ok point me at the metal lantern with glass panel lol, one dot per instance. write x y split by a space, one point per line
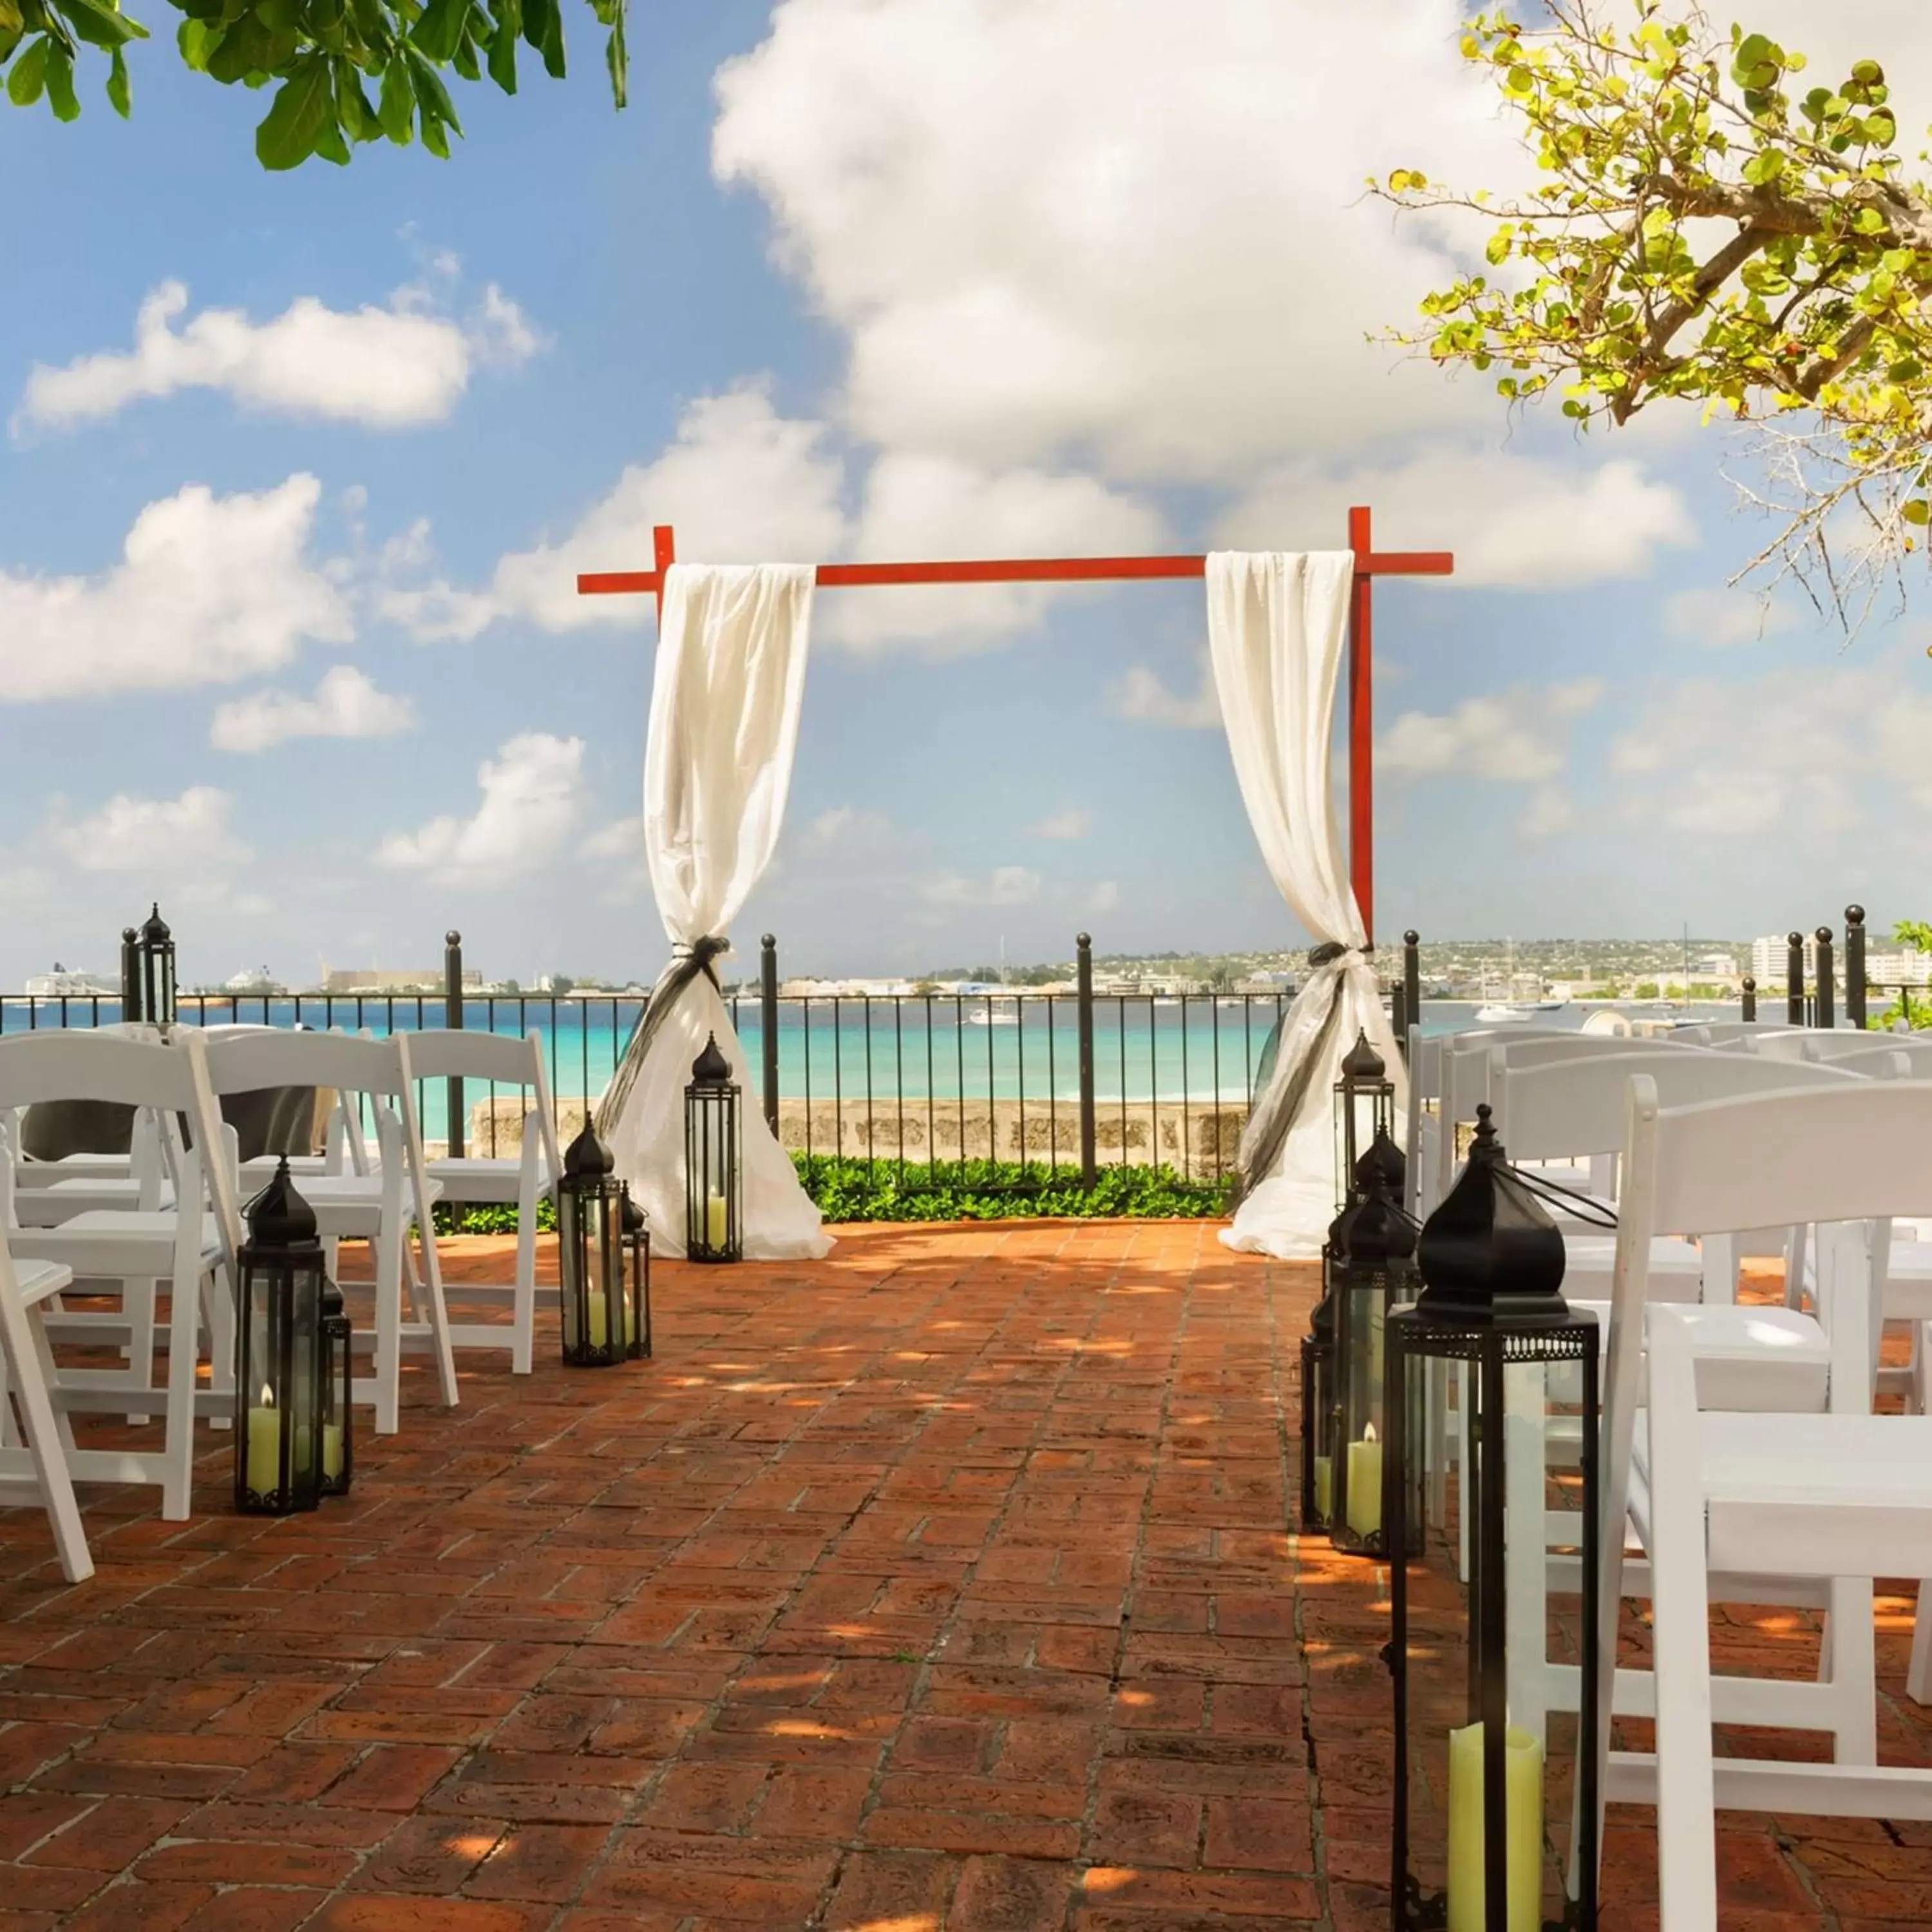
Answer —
1373 1274
282 1450
1318 1393
603 1259
1364 1114
154 968
1495 1797
713 1171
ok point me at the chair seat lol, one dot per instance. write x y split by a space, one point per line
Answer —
38 1174
111 1243
1815 1495
256 1174
1908 1281
1748 1358
37 1280
478 1178
1589 1262
349 1206
50 1207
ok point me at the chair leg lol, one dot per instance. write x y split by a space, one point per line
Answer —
137 1304
219 1290
48 1435
184 1356
1919 1673
438 1313
388 1247
1852 1651
523 1348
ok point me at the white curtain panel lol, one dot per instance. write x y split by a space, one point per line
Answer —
1277 627
724 729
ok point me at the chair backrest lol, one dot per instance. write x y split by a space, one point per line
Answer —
1885 1055
245 1062
1579 1106
1785 1042
507 1059
77 1063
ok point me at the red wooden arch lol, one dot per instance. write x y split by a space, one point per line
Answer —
1369 564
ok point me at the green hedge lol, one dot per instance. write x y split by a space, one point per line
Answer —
974 1190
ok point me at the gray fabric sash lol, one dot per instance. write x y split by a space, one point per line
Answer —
686 964
1268 1133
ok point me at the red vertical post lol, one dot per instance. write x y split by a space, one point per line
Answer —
1361 722
664 549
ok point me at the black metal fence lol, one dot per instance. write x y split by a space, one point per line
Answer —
1075 1082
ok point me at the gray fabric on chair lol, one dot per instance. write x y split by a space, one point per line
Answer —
277 1120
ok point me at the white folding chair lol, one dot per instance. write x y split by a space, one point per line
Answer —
489 1178
191 1242
1832 1496
380 1208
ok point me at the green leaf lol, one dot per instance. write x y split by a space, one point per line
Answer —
28 76
1868 73
120 95
288 136
435 138
503 44
192 38
432 97
1519 80
61 96
352 105
543 28
99 26
396 104
440 27
617 59
464 59
331 146
1916 510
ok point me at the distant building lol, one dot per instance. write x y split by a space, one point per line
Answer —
1911 967
259 980
69 983
1768 958
385 979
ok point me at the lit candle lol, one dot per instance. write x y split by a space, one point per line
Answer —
1324 1486
331 1450
1523 1815
265 1445
1365 1485
714 1221
600 1320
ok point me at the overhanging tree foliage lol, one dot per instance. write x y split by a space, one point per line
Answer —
329 55
1706 227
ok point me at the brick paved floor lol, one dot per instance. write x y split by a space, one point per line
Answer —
943 1584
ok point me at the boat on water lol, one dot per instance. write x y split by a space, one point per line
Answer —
983 1019
1494 1013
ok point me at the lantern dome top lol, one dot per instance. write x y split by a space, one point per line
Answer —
155 931
1378 1232
633 1216
587 1154
1383 1163
1363 1062
711 1068
1490 1254
278 1216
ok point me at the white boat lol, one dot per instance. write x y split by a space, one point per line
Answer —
985 1018
1494 1013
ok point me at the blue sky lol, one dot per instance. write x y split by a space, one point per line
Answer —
287 633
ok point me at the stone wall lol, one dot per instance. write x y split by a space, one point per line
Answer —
1198 1140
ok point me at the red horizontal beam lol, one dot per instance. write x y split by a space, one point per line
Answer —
1025 570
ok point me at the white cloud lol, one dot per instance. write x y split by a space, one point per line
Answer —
622 839
1518 736
346 705
1004 885
163 838
851 832
1089 218
209 589
1104 898
1075 822
388 368
532 795
1143 694
1514 522
741 484
1722 618
1550 813
1804 756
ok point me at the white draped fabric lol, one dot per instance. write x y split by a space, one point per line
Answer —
732 644
1277 626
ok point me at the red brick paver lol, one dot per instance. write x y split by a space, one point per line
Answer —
948 1583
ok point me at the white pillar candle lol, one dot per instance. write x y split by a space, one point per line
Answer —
715 1225
1522 1817
1365 1486
264 1448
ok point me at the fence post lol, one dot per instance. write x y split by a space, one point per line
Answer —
1083 979
1411 979
768 1025
130 974
1828 991
1398 1018
1750 997
1794 978
452 1018
1855 966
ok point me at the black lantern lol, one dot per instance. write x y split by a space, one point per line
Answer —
1318 1382
1495 1798
130 973
603 1259
1364 1113
1373 1274
338 1372
281 1454
154 968
713 1172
